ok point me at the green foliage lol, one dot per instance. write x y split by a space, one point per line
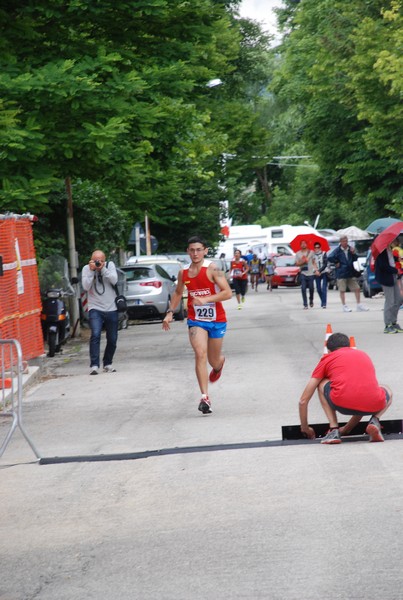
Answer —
341 66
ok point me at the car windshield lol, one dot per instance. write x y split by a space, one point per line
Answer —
134 274
285 261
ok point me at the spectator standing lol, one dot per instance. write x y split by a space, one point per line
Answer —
321 273
98 280
255 268
343 258
386 274
305 260
269 272
346 382
239 271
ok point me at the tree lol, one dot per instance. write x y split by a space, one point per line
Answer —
328 69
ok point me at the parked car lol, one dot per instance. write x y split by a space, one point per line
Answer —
149 290
286 272
171 266
370 286
150 258
183 257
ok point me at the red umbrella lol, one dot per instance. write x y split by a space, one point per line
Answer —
387 236
310 239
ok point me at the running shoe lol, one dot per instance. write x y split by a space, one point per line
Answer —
205 405
215 375
94 370
397 327
362 308
239 307
390 329
332 437
109 369
374 430
346 308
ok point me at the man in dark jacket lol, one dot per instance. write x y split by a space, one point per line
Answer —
386 275
343 257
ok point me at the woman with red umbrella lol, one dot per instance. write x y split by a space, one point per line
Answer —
305 260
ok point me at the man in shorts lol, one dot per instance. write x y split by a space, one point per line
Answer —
207 289
346 382
343 257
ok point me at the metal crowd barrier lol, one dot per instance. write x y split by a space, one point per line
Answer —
11 390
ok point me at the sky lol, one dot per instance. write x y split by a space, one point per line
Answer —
262 11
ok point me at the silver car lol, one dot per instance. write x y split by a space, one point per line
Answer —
149 289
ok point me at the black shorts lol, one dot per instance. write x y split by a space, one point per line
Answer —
349 411
240 286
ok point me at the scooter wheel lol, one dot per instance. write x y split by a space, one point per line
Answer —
52 335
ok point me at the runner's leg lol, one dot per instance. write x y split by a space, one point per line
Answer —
199 339
214 355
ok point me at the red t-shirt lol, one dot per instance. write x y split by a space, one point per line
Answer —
352 380
202 286
238 269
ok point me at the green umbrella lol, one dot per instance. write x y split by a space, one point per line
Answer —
380 224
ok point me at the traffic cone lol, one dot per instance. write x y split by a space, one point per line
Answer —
6 383
328 334
352 342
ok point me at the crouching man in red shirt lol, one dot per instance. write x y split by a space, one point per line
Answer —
346 382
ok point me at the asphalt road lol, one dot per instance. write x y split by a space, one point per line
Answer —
202 507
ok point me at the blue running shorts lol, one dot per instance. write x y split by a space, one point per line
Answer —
214 329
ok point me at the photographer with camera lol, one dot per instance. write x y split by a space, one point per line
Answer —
98 280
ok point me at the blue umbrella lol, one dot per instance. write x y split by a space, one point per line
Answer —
380 224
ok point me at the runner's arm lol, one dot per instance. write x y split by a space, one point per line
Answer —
217 276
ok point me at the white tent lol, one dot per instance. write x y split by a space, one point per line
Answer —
354 233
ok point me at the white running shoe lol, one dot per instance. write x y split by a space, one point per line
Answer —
362 308
346 308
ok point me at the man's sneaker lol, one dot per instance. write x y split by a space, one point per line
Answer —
239 306
205 405
332 437
362 308
390 329
346 308
215 375
109 369
94 370
374 430
397 327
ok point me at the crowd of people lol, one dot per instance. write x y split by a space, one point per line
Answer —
339 376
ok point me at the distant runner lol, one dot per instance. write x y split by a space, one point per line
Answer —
208 288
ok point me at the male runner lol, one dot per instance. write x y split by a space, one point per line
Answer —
207 289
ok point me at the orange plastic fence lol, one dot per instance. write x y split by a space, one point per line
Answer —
20 300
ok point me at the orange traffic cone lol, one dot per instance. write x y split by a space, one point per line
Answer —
352 342
6 382
328 334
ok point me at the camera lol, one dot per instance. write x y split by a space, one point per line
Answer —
98 263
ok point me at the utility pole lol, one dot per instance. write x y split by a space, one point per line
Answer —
74 309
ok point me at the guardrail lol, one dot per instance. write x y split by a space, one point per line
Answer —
11 391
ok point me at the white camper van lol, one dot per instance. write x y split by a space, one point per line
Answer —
262 240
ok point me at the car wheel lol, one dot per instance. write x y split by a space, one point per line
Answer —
52 337
365 291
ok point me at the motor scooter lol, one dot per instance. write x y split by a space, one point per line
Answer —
55 287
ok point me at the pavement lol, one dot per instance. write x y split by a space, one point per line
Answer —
145 498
